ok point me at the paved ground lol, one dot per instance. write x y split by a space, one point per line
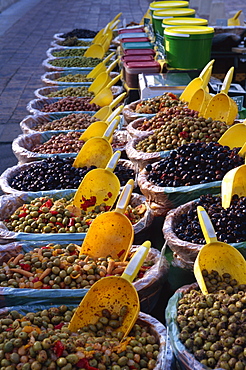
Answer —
26 30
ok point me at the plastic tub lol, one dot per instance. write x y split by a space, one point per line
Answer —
159 15
132 70
137 58
132 34
139 52
135 39
137 45
192 41
131 29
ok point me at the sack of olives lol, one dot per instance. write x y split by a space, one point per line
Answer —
140 158
40 145
24 279
41 349
182 222
56 121
211 344
75 78
64 64
61 105
20 218
62 91
55 172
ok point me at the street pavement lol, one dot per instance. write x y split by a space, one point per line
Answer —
26 31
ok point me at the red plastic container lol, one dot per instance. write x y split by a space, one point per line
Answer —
139 52
130 30
137 58
132 69
135 39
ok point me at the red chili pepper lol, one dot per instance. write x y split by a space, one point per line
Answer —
59 223
54 213
46 287
71 222
107 208
84 364
59 326
45 247
88 222
48 204
184 134
58 348
35 279
23 214
88 202
172 96
120 253
110 194
25 266
140 274
9 329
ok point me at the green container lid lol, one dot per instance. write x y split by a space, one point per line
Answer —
184 21
173 12
158 5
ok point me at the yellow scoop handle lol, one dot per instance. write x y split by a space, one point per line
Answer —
106 111
112 292
227 81
100 67
125 197
105 95
206 225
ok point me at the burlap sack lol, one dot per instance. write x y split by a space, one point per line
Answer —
141 159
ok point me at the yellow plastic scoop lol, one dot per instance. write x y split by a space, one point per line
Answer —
105 96
234 182
97 151
111 233
106 111
98 186
98 128
112 293
221 107
234 21
100 67
95 51
216 255
195 84
102 79
234 137
201 97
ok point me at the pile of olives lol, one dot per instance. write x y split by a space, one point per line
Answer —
44 215
75 78
42 340
73 121
79 62
158 103
73 41
229 223
178 126
213 326
69 52
62 143
60 267
70 103
195 163
72 91
80 33
58 173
